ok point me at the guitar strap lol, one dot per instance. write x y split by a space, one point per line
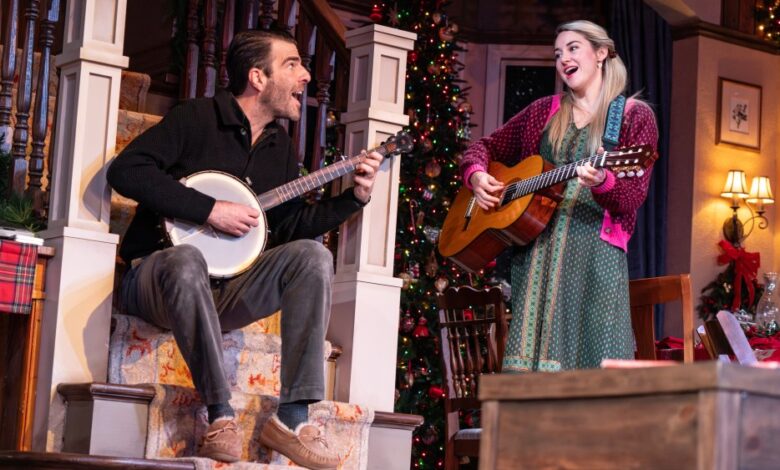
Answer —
614 121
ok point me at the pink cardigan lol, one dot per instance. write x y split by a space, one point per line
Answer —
521 137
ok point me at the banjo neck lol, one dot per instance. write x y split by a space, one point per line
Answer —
304 184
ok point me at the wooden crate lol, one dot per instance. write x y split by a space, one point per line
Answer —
707 416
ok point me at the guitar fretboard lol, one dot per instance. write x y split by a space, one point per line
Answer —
304 184
562 173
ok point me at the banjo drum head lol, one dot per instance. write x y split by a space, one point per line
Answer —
226 255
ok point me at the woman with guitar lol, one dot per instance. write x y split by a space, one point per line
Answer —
570 285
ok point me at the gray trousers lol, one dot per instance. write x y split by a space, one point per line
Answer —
171 289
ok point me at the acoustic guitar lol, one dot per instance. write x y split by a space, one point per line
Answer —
471 237
228 256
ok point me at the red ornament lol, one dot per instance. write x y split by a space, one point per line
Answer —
421 330
376 13
468 314
435 392
491 265
413 56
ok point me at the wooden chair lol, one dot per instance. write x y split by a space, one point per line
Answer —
473 337
644 294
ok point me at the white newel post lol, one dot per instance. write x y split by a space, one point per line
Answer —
366 296
77 311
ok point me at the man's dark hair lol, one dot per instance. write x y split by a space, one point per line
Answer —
250 49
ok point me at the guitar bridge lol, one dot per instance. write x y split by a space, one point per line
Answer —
469 210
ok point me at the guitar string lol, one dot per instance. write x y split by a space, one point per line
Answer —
549 178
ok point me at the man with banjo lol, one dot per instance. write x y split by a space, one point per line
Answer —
235 133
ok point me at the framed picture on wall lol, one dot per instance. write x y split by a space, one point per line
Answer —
739 114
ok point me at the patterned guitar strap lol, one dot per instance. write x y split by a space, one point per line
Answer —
614 121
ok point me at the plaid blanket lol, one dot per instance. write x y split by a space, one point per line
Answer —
17 273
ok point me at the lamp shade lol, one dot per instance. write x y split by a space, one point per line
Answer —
736 185
761 191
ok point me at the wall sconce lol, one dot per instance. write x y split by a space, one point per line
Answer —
760 195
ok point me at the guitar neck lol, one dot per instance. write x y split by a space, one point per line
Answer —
562 173
321 177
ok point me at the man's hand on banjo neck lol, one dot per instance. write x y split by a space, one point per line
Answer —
237 219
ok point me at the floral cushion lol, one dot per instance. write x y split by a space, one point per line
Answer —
142 353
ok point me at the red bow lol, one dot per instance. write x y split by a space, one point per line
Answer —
745 269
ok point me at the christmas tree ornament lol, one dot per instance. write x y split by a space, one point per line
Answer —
330 119
406 278
432 169
421 330
430 435
446 34
414 270
407 323
409 376
412 57
435 392
420 218
431 266
431 233
465 107
427 144
436 17
441 283
446 201
376 13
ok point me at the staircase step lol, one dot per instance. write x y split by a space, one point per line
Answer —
142 353
174 423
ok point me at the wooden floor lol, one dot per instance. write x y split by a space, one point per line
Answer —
41 460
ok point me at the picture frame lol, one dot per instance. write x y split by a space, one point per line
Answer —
739 114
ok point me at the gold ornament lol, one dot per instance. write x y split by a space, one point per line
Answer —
330 119
407 280
441 283
436 17
432 169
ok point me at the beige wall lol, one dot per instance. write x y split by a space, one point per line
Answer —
698 165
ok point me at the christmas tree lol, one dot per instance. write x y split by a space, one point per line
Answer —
768 20
439 123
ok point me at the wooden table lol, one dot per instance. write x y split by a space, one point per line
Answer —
19 346
698 416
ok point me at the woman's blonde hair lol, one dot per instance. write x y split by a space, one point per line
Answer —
614 77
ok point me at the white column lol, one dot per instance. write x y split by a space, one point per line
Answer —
77 311
366 296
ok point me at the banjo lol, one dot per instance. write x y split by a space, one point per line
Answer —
227 255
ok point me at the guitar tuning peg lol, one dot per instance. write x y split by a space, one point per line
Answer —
640 172
631 174
621 174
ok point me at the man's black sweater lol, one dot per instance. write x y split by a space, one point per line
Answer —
212 134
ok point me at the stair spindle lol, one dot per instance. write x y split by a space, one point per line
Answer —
23 100
305 37
190 81
228 22
7 72
266 13
41 110
207 73
325 57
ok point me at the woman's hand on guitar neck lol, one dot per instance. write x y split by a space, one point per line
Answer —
485 187
232 218
589 176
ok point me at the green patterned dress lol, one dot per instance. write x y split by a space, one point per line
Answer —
569 288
